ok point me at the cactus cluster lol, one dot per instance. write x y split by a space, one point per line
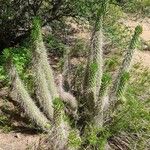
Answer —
99 99
50 116
103 96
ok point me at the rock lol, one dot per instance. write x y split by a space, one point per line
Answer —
17 135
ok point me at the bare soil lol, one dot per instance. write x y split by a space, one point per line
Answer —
18 141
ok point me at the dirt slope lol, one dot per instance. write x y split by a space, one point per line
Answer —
18 141
143 58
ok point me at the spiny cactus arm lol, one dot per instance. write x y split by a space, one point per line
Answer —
60 133
98 48
41 88
20 94
74 140
123 76
92 66
38 44
93 73
99 61
92 79
126 64
102 104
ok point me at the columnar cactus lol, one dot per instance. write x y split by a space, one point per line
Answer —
52 96
123 75
98 60
38 61
94 69
93 74
103 103
41 90
20 94
60 132
41 50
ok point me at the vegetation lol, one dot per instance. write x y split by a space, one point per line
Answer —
82 106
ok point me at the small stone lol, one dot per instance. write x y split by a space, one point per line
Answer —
17 135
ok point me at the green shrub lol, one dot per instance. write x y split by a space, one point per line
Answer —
133 117
141 7
79 48
2 73
5 123
55 45
74 139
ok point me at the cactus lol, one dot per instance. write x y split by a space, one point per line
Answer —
103 103
41 87
93 74
99 61
20 93
58 136
124 71
92 79
41 90
52 96
94 69
65 70
41 50
60 132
